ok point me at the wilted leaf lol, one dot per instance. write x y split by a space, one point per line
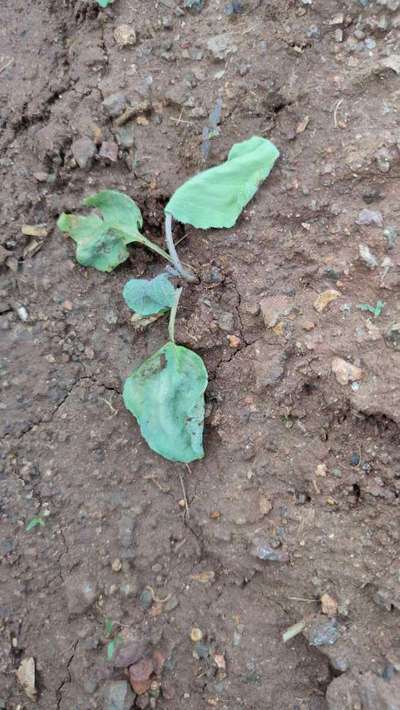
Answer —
166 395
102 243
149 296
216 197
26 677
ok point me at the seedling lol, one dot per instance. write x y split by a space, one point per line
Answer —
35 522
375 310
166 392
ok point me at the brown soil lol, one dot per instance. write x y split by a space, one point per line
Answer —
295 460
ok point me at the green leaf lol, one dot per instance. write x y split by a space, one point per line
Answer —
166 395
104 3
108 624
102 242
111 646
35 522
375 310
148 297
216 197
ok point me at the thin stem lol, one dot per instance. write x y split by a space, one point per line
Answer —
173 253
172 315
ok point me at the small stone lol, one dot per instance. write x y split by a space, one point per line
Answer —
337 19
196 5
339 35
392 336
125 135
329 605
391 234
117 695
115 104
345 372
274 308
116 565
146 599
234 341
171 604
355 459
321 470
263 550
201 650
109 151
22 313
308 325
139 675
324 299
130 652
220 46
125 36
83 151
367 256
226 322
323 633
196 634
41 176
81 593
370 217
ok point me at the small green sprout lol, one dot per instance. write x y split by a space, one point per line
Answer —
375 310
35 522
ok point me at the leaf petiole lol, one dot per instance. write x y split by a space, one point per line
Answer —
173 253
172 315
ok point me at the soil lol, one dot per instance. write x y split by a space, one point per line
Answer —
302 461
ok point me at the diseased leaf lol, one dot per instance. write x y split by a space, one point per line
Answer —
216 197
166 395
102 242
149 296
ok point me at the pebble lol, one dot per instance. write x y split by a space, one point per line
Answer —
83 151
323 633
355 459
125 135
196 634
196 5
391 233
81 593
367 256
329 605
201 650
226 322
235 7
116 565
117 695
125 36
370 217
115 104
392 336
131 652
263 550
22 313
146 599
109 151
220 46
345 372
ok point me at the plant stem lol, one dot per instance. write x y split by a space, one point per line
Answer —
172 251
172 315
